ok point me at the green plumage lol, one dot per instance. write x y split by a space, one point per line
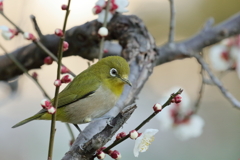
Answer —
80 93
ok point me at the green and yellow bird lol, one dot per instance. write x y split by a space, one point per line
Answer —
91 94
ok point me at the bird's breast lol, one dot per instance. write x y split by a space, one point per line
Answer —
93 106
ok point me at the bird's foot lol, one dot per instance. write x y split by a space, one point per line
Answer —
78 128
109 119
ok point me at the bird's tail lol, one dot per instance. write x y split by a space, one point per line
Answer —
36 116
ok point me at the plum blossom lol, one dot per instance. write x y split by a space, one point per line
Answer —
142 142
180 118
226 55
8 33
115 6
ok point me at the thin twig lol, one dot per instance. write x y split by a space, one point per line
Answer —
38 30
21 67
37 42
217 82
172 22
200 93
55 103
104 25
168 102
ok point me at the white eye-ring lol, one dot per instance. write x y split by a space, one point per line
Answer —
113 72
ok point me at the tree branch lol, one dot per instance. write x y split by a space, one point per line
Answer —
172 22
218 83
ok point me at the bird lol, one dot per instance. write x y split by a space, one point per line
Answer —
91 94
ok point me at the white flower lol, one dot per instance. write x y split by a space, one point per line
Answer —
122 4
190 129
101 16
115 6
7 33
142 143
220 57
103 31
180 119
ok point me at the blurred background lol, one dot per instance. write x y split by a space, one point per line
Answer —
220 139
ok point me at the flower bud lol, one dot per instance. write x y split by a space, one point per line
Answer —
34 75
51 110
97 9
57 83
48 60
101 155
29 36
67 78
64 70
103 31
133 134
58 32
157 107
65 46
120 135
115 155
64 7
45 103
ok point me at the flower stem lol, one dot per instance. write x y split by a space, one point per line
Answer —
104 25
55 103
168 102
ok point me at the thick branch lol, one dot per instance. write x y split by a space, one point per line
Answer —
195 44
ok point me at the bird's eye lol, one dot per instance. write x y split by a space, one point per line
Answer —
113 72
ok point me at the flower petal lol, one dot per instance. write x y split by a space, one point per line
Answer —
191 129
142 143
102 15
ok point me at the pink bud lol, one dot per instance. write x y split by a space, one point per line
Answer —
115 155
120 135
8 33
157 107
29 36
64 7
45 103
64 70
34 75
65 46
101 155
51 110
57 83
133 134
176 99
97 9
48 60
103 31
67 78
1 5
114 6
58 32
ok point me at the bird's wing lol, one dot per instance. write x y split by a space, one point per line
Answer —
81 87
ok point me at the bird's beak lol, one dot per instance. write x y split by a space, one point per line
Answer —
124 79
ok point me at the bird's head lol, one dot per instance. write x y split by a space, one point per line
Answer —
114 69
